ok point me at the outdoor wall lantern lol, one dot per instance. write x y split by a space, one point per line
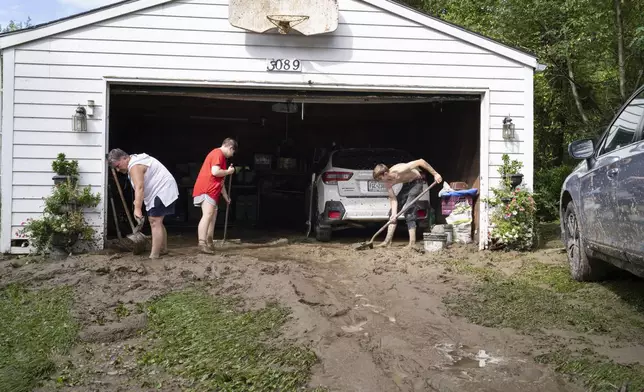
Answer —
79 120
508 128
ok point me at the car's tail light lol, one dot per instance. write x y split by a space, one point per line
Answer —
332 177
334 215
421 214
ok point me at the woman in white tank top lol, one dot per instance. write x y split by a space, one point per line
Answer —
155 187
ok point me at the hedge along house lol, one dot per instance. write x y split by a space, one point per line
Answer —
173 77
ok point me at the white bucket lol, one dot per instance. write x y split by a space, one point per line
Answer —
434 241
463 233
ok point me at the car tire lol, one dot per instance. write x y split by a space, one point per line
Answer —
322 234
583 268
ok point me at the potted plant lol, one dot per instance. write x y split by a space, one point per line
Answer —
513 214
510 172
66 171
63 222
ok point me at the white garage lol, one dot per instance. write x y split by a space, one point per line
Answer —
174 77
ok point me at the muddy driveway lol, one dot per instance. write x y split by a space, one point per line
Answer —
377 320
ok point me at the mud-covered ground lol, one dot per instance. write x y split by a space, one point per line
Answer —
378 320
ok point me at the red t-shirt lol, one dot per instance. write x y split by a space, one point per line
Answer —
207 183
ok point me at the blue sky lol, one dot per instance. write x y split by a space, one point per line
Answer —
42 11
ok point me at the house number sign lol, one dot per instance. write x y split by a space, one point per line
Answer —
283 65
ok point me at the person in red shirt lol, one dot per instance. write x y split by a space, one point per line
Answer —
208 187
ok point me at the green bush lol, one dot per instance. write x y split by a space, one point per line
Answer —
513 212
63 222
64 167
547 187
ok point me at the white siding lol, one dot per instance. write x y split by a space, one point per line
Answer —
192 40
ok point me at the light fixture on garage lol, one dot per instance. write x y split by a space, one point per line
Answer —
90 107
508 128
79 120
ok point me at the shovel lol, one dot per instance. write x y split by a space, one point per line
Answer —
136 237
369 245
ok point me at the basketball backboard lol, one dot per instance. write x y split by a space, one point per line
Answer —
308 17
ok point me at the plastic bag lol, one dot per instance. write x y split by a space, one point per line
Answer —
446 189
461 214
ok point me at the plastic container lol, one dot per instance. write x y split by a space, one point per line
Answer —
463 233
434 242
450 199
438 229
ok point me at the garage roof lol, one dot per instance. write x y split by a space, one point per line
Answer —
129 6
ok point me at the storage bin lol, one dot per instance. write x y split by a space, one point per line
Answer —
448 202
434 242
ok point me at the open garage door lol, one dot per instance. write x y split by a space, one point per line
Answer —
284 137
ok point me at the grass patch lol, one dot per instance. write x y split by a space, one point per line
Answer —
33 326
553 277
541 296
213 346
597 374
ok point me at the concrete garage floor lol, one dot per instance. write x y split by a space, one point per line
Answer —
377 320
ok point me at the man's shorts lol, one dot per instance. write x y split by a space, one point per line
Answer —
408 193
198 200
160 209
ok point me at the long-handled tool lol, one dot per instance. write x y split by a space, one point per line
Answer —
116 219
136 237
229 190
369 245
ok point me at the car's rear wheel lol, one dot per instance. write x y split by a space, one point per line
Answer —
582 266
322 234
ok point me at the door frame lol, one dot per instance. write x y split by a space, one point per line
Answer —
484 121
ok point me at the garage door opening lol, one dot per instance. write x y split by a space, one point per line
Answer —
284 136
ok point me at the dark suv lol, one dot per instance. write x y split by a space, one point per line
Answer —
602 200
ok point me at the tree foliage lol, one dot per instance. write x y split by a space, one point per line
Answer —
13 26
579 42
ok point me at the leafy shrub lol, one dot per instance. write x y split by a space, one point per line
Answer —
547 185
63 167
513 213
63 221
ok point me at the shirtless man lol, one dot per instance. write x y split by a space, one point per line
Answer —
409 175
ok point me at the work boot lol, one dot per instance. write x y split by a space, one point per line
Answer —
390 236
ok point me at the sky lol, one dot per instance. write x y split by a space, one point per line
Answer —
41 11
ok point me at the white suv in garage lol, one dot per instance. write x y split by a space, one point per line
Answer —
346 195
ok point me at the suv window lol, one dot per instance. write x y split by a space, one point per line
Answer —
623 130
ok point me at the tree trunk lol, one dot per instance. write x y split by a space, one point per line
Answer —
620 48
575 93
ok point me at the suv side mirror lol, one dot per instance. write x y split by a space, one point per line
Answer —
581 149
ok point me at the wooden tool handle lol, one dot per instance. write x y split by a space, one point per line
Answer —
230 192
116 220
127 210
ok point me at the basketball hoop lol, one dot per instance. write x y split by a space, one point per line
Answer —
284 23
307 17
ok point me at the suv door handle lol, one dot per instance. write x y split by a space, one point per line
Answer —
612 172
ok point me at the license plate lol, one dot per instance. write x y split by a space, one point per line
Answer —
375 186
